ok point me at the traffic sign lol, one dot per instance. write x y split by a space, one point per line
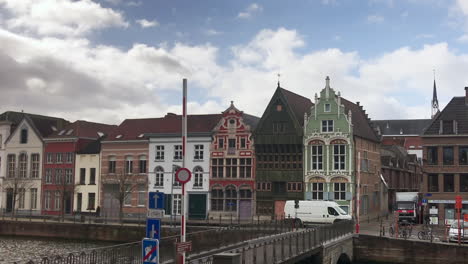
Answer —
150 251
156 200
428 194
424 201
153 228
184 247
155 213
183 175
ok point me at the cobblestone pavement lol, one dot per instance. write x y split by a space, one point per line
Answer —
28 248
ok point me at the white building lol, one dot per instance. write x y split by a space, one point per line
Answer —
165 157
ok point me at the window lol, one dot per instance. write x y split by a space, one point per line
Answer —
340 190
294 186
47 198
177 152
449 183
50 158
91 201
463 155
279 127
68 176
142 193
21 196
364 162
48 176
24 136
221 143
339 157
35 166
11 165
58 158
198 183
448 126
231 199
231 144
69 157
129 164
159 153
174 169
327 108
79 201
127 195
263 186
92 176
58 176
57 200
33 197
433 182
317 157
217 199
317 191
177 204
159 181
245 168
432 155
327 125
463 182
243 142
217 168
198 152
23 165
112 164
82 176
231 168
245 194
279 187
448 155
142 164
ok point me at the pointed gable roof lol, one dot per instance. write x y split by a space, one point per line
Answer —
361 124
298 104
457 110
44 125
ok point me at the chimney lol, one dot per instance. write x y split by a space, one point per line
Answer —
357 103
466 95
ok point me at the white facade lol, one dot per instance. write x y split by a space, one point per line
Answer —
162 158
30 201
4 134
88 186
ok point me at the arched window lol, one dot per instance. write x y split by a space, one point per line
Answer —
339 188
217 198
159 181
316 187
23 165
231 199
198 173
245 193
339 154
316 148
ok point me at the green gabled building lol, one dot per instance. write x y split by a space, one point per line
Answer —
279 151
336 131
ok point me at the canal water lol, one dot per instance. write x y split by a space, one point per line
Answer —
27 248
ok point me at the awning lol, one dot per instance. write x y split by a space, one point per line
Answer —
383 180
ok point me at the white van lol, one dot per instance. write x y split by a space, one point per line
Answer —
315 211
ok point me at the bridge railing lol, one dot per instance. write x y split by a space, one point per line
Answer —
282 247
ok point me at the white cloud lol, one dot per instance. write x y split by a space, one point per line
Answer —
134 3
463 38
375 19
146 24
212 32
60 17
251 10
404 14
424 36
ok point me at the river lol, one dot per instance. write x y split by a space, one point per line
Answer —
33 248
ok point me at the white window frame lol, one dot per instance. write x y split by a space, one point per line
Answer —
47 199
48 176
327 126
159 153
128 164
58 157
177 152
142 193
50 158
198 175
142 159
69 157
316 158
33 198
177 204
317 188
23 165
11 159
325 108
198 152
341 192
159 177
21 198
57 199
339 158
68 176
35 163
58 176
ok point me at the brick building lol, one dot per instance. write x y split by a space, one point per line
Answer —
445 160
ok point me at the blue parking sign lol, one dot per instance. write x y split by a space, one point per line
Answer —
153 228
156 200
150 251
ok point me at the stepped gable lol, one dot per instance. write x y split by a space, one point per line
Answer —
298 103
401 126
456 109
361 123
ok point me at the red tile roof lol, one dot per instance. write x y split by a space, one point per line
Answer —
135 129
83 129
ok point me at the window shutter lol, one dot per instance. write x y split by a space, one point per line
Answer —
348 196
308 196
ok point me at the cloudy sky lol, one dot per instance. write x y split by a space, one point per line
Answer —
107 60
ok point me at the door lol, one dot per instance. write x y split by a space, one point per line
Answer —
197 206
245 209
110 204
68 203
79 201
9 201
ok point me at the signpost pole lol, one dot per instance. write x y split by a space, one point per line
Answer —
184 140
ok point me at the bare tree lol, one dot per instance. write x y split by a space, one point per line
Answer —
15 185
125 183
65 188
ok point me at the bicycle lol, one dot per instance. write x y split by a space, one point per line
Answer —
425 234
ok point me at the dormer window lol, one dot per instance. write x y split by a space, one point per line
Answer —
279 108
327 108
24 136
448 127
327 125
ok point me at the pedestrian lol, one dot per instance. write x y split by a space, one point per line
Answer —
427 219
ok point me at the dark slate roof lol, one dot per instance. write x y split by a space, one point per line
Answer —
361 125
171 124
44 124
298 103
83 129
251 120
93 147
456 109
402 126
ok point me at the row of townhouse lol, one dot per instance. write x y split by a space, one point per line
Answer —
241 165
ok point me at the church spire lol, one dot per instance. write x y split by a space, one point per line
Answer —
435 102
